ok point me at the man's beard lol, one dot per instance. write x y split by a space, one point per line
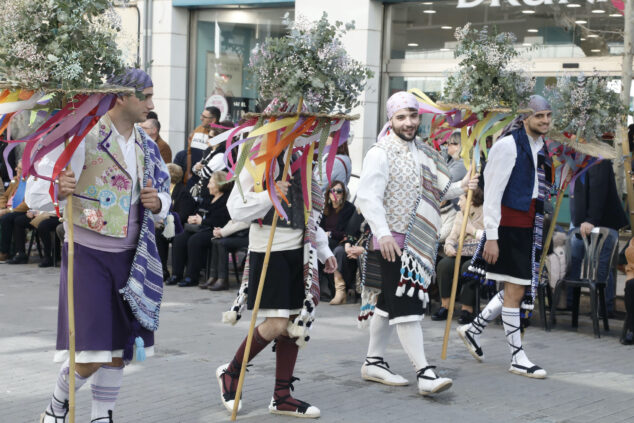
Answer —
403 137
535 130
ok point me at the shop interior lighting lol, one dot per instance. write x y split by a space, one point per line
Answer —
598 11
446 27
427 3
445 49
572 5
412 45
528 12
616 15
533 30
429 11
596 50
527 44
593 36
582 39
581 22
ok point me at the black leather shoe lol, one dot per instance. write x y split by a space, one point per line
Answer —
19 258
173 280
465 317
219 285
628 339
46 262
440 315
187 282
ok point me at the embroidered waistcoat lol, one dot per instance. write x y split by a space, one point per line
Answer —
101 202
403 186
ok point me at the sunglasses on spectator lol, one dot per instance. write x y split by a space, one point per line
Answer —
336 191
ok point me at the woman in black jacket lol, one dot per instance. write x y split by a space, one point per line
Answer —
337 214
190 247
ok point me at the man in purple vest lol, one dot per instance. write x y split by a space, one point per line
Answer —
119 185
513 197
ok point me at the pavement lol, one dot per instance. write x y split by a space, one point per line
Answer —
590 380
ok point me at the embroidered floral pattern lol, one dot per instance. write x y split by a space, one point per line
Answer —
107 198
124 203
94 219
120 182
91 191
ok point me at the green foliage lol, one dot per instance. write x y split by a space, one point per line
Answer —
585 106
310 62
486 78
66 44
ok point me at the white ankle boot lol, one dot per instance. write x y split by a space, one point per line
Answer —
430 383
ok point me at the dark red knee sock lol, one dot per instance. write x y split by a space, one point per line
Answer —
233 371
286 355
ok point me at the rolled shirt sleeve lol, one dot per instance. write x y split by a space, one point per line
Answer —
496 176
248 205
323 251
374 179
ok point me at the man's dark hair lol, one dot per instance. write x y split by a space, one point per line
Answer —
215 112
152 115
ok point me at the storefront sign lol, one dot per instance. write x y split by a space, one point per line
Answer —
497 3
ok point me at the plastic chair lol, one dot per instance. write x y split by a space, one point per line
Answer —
589 278
35 238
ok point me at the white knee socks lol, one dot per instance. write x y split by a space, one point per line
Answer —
105 388
511 321
490 312
58 404
411 336
380 332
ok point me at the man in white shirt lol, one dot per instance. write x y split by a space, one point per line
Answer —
287 303
402 185
119 186
513 198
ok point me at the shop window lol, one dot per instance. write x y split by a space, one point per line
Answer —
553 28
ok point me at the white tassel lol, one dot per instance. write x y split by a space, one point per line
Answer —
296 331
301 342
230 317
410 292
400 291
170 229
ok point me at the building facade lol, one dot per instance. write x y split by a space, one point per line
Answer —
197 51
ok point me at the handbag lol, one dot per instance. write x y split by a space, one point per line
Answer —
190 227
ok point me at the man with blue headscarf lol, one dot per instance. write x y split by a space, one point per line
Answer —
119 185
510 250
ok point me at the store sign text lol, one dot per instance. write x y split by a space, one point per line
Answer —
496 3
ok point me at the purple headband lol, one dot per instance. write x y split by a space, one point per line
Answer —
132 78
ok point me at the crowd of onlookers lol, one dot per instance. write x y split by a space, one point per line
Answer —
204 239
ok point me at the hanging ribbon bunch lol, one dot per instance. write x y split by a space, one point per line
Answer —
473 131
262 138
70 123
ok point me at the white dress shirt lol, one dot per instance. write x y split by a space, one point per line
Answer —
496 176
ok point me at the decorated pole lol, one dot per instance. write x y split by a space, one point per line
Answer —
457 265
258 296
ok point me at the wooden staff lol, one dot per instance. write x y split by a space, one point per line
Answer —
457 265
70 299
258 296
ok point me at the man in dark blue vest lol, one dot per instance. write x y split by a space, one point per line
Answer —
513 212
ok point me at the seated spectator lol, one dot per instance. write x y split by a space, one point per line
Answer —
232 237
152 127
445 267
183 206
45 223
12 206
190 247
454 161
628 335
341 168
448 212
337 214
595 203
